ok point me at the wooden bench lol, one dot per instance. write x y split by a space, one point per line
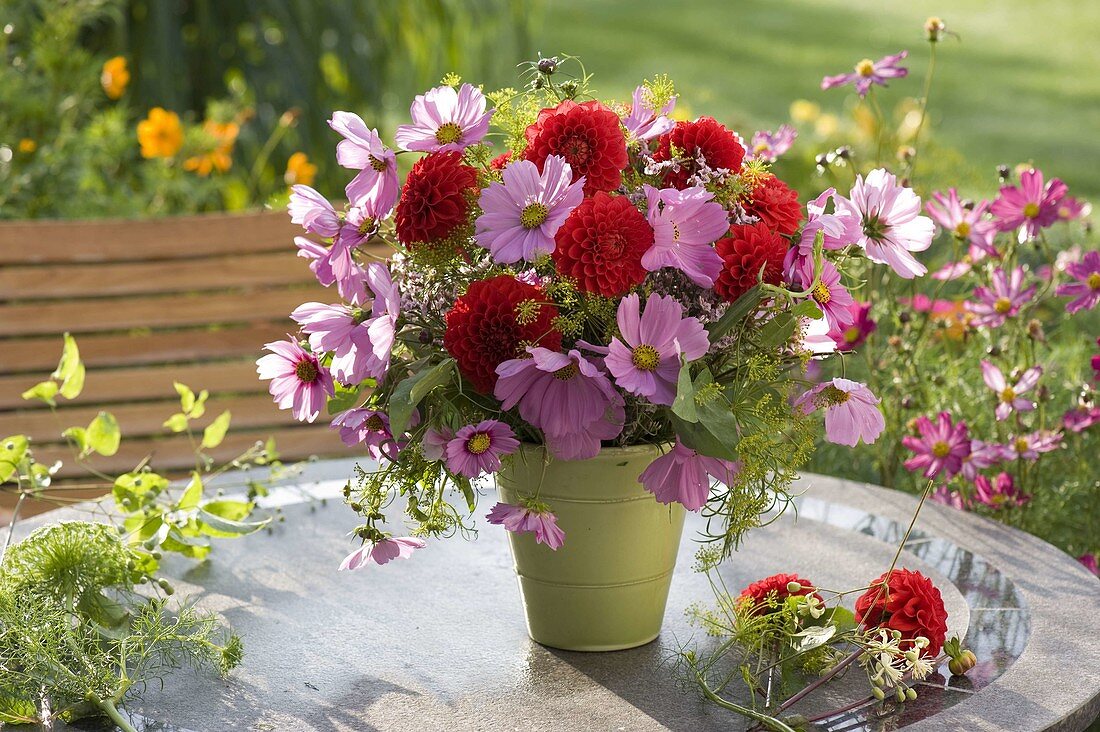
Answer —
189 299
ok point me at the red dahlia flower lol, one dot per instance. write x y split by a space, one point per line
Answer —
776 586
705 138
776 205
910 604
484 328
601 245
746 251
434 202
589 137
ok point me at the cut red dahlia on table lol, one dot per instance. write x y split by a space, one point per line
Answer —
611 279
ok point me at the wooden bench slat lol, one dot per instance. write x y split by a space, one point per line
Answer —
38 355
144 418
140 278
136 384
118 240
152 312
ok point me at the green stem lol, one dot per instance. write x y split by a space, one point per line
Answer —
769 722
923 106
111 711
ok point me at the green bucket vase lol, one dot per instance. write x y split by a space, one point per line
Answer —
605 589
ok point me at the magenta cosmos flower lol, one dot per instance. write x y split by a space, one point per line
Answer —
566 396
1009 397
838 229
535 519
362 150
476 448
982 455
995 304
768 146
851 411
646 361
830 295
1086 289
369 427
381 552
948 497
1030 207
298 381
685 225
890 222
855 335
645 121
941 447
1080 418
1088 561
351 286
521 215
1031 446
999 493
868 72
966 225
444 119
683 476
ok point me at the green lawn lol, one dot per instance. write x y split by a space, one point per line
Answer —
1023 83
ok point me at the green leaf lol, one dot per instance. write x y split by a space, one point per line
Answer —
133 491
214 433
778 330
104 611
44 390
187 397
216 526
715 432
78 435
228 509
177 422
199 407
70 369
103 434
412 390
812 637
345 398
468 493
191 547
807 309
14 710
141 527
12 451
683 406
192 494
735 313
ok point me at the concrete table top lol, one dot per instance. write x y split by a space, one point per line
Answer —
438 642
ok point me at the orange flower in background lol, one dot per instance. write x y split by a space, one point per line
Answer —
115 77
299 171
27 145
160 134
223 136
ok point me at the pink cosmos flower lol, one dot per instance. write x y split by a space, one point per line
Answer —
352 286
1088 561
982 455
445 120
830 294
298 381
566 396
851 411
838 229
381 552
1008 397
1031 446
1072 209
1080 418
521 215
941 447
684 476
994 305
1095 362
855 335
685 225
999 494
965 225
892 226
369 427
433 445
815 336
646 361
768 146
476 448
362 150
646 122
313 212
1029 207
1087 287
948 497
868 72
522 519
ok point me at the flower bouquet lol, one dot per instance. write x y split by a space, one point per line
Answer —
608 309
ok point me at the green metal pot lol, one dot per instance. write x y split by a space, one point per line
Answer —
606 588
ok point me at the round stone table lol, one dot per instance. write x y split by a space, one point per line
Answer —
438 642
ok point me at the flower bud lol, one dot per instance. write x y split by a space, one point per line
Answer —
794 587
569 88
878 693
1003 173
907 402
166 587
548 65
1035 331
910 693
906 153
899 693
934 29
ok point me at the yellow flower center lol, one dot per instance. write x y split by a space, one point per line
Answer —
374 422
447 133
367 226
478 444
831 396
566 373
962 230
852 334
1008 395
380 165
866 67
1093 281
645 358
1002 305
821 293
533 215
306 371
941 449
1031 210
1021 444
